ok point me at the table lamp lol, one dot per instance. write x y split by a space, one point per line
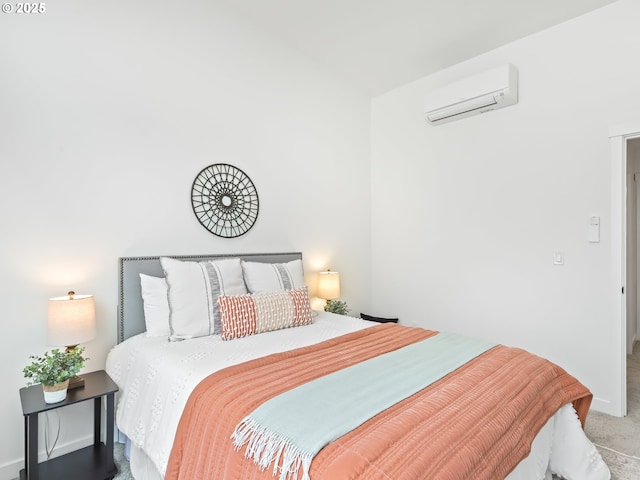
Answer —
71 320
328 285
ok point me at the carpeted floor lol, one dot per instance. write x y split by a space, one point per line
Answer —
123 466
621 466
617 439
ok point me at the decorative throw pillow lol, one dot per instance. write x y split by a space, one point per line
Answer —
156 305
193 290
271 277
263 312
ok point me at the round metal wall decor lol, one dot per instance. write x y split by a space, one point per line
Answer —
224 200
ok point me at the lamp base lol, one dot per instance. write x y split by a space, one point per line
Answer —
76 382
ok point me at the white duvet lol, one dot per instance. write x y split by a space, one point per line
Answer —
156 377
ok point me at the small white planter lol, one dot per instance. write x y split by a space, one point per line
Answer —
55 393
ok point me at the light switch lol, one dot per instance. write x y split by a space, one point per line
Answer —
558 258
594 229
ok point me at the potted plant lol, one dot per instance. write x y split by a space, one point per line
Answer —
336 306
53 370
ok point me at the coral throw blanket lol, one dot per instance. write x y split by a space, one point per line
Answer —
477 422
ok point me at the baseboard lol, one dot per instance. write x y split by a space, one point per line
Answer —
605 406
11 470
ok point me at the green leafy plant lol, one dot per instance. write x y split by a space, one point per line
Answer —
55 367
336 306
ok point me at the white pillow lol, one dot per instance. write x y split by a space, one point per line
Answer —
193 290
272 277
156 305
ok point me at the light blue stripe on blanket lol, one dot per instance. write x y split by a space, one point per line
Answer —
295 425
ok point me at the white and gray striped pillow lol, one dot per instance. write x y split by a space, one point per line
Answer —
193 290
273 277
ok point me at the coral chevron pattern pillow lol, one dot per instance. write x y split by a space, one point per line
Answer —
243 315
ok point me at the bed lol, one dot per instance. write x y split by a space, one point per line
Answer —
162 404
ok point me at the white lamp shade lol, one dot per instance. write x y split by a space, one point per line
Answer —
71 320
329 285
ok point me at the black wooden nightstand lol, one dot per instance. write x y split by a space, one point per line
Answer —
94 462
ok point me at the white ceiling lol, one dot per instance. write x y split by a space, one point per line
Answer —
378 45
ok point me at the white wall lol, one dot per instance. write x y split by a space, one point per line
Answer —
108 110
466 216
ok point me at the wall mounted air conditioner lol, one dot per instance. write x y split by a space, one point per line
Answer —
481 93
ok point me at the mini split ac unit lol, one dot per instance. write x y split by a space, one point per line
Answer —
481 93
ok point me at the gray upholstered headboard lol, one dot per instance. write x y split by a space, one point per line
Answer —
130 307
